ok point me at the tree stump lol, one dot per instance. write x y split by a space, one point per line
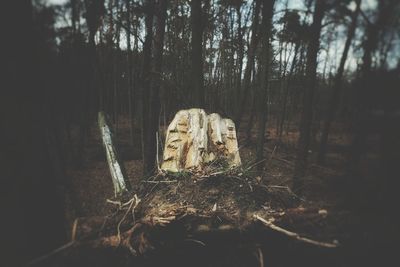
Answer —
194 139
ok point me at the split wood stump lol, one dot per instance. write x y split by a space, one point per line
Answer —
194 139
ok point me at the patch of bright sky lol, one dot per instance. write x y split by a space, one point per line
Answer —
56 2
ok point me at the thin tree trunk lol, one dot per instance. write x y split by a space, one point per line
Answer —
267 13
286 94
129 61
240 55
197 54
148 159
154 113
117 70
243 95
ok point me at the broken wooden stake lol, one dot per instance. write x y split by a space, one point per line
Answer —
121 184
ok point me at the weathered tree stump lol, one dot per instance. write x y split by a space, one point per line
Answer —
194 139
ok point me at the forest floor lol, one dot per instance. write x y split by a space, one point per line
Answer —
327 209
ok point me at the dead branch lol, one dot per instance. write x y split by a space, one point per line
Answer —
51 253
293 234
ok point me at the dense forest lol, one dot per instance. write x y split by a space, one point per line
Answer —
311 85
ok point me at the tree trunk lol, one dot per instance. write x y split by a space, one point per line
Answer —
287 88
129 75
197 53
267 13
337 86
154 112
240 54
243 94
306 115
148 158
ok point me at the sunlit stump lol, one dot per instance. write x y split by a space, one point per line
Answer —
194 139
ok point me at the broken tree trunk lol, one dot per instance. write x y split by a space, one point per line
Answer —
121 184
194 139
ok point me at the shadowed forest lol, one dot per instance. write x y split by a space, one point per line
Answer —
313 89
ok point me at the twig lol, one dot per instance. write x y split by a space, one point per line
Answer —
158 161
287 188
135 200
285 161
260 257
253 165
196 241
293 234
272 153
279 158
74 227
51 253
114 202
157 182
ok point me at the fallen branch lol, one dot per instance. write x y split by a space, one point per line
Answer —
51 253
157 182
293 234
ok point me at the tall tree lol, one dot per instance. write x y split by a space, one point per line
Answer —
243 93
148 157
129 67
155 104
337 85
74 16
266 25
306 114
291 33
94 12
197 79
